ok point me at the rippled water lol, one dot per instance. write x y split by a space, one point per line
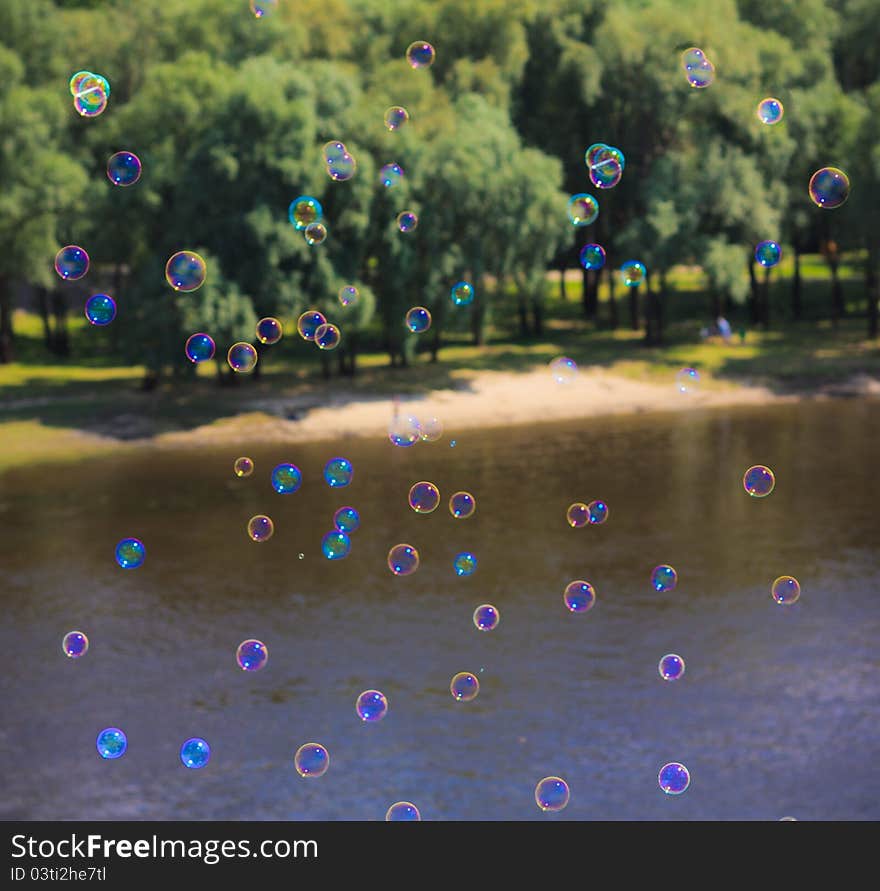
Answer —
777 713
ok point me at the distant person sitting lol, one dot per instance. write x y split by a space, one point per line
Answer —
724 329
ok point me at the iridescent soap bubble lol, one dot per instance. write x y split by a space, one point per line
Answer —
702 75
242 357
829 187
418 320
200 347
195 753
286 478
100 309
315 233
598 153
582 209
333 151
785 590
674 778
420 54
692 57
552 794
338 472
462 505
633 273
252 655
75 644
111 743
687 380
71 262
76 79
396 117
130 553
243 466
404 430
767 253
391 175
579 596
432 430
462 293
124 169
303 211
269 330
348 295
464 686
606 173
759 481
770 111
563 369
327 337
671 667
464 563
91 96
346 519
371 705
424 497
592 256
260 527
486 617
407 221
663 578
402 812
342 168
262 8
185 271
598 512
403 559
308 323
577 515
311 760
335 545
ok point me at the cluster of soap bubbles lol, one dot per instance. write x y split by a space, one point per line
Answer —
313 326
605 164
407 430
336 544
306 215
699 70
90 92
580 514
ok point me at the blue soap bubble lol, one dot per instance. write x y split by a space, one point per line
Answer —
111 743
252 655
269 330
674 778
342 167
671 667
242 357
701 75
829 187
552 794
579 596
402 811
687 380
598 511
403 559
582 209
464 686
633 273
260 528
186 271
346 519
404 430
759 481
767 253
692 57
286 478
391 175
71 262
311 760
348 295
200 347
100 309
464 563
130 553
407 221
195 753
606 167
371 706
304 210
663 578
786 590
462 293
338 472
462 505
335 545
418 320
420 54
486 617
770 111
327 337
592 256
396 117
424 497
262 8
75 644
333 151
308 323
124 169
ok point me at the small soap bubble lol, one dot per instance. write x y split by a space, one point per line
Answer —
124 169
308 323
269 330
130 553
91 96
786 590
418 320
592 256
261 8
829 187
692 57
770 111
420 54
342 168
286 478
304 211
338 472
111 743
404 430
462 505
348 295
424 497
552 794
332 151
311 760
200 347
391 175
346 519
598 512
671 667
407 221
242 357
663 578
464 563
486 618
701 75
260 528
633 273
75 644
403 559
243 467
327 336
371 705
315 233
396 117
252 655
605 166
563 369
185 271
674 778
335 545
452 443
767 253
100 309
432 430
76 79
687 380
579 596
402 811
195 753
582 209
462 293
464 686
72 262
759 481
577 515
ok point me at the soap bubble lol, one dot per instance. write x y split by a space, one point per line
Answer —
633 273
261 8
592 256
243 467
424 497
671 667
348 295
260 527
701 75
315 233
111 743
464 563
579 596
582 209
552 794
396 117
404 430
407 221
91 96
418 320
124 169
252 655
420 54
770 111
464 686
462 505
687 380
462 293
759 481
767 253
185 271
75 644
342 168
242 357
598 512
486 617
674 778
338 472
311 760
130 553
308 323
371 705
71 262
786 590
100 309
664 578
335 545
563 369
829 187
403 559
333 151
692 57
577 515
303 211
346 519
195 753
327 337
391 175
200 347
402 811
286 478
269 330
432 430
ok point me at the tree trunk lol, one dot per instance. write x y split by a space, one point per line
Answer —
435 344
837 306
634 308
7 338
765 300
43 308
523 316
716 303
753 303
612 303
661 305
61 338
538 317
796 302
562 292
872 287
